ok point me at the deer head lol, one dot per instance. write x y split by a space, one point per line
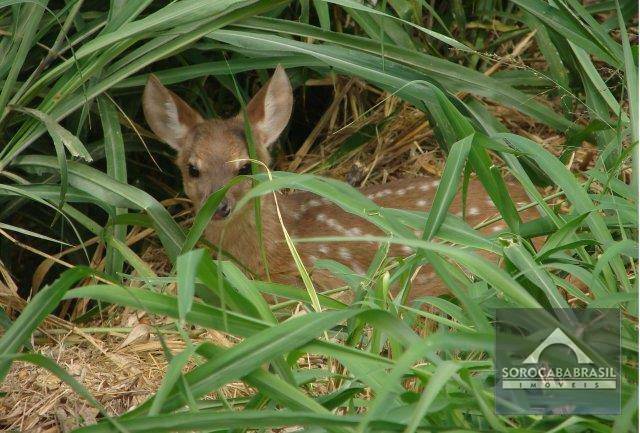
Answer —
212 151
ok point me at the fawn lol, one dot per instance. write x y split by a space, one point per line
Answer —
208 155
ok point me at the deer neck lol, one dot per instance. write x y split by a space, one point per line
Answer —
238 235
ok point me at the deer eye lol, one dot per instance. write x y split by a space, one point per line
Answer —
245 169
193 170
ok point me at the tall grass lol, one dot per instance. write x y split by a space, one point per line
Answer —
75 163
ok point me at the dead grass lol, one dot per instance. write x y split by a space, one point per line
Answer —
120 366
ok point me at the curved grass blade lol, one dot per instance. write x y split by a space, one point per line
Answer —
454 77
442 38
436 383
35 312
171 377
448 186
252 352
117 169
155 303
615 251
523 260
217 420
117 194
187 267
272 386
20 230
574 192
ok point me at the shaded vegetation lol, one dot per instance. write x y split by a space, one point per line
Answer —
545 92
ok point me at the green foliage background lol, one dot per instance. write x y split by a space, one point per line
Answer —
72 167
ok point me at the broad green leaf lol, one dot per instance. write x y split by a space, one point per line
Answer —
523 260
434 386
60 134
155 303
117 169
448 186
187 267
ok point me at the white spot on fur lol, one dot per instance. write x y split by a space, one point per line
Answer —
435 183
425 187
324 249
355 231
344 253
321 217
313 259
459 214
410 187
384 193
497 228
407 249
311 203
357 268
401 191
421 203
334 224
473 211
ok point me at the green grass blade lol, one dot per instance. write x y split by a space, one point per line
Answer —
187 267
170 379
117 194
574 192
437 382
452 76
448 187
24 38
253 351
117 169
155 303
35 312
523 260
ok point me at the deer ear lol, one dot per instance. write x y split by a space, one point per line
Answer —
270 108
169 117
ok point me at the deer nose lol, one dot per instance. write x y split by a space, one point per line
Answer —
223 210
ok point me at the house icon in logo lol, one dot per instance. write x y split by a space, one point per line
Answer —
557 337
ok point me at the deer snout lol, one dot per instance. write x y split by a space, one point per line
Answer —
223 210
